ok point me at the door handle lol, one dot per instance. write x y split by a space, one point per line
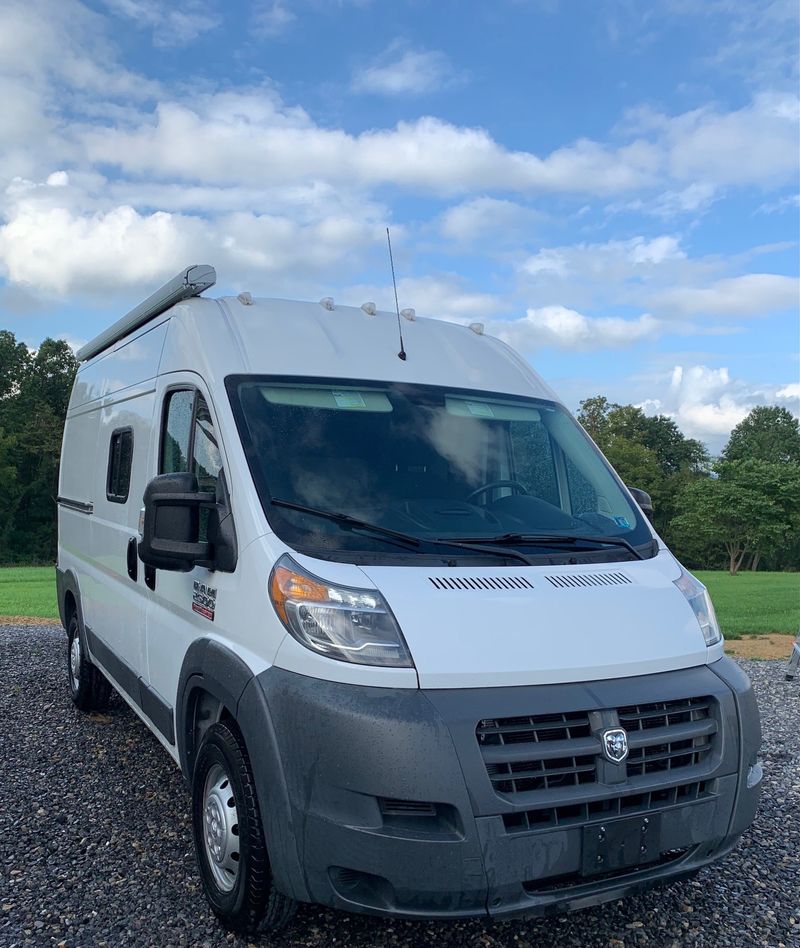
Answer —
133 559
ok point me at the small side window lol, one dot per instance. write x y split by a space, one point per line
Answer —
176 441
120 460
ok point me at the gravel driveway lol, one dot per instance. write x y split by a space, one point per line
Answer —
95 841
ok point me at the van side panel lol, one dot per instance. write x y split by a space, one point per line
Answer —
113 391
76 494
126 366
119 600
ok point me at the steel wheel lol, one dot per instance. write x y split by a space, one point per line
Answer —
89 689
75 663
221 828
229 837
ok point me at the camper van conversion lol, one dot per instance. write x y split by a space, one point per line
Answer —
416 648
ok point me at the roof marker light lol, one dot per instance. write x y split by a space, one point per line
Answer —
245 298
410 314
369 308
326 302
477 328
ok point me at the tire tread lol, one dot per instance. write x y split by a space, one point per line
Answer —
263 908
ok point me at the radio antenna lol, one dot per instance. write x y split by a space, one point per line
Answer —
402 353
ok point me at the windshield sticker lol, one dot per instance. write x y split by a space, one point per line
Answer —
349 399
480 409
622 522
204 600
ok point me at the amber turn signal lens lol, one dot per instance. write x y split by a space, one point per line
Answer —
286 584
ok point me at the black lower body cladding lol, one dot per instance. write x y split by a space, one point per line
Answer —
390 807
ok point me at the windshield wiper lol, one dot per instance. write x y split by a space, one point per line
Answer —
553 539
354 523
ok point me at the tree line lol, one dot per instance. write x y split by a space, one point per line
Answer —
739 511
34 393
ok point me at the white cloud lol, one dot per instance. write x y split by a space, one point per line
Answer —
443 296
58 179
757 39
61 252
176 23
756 143
787 202
251 137
789 392
655 251
613 260
752 294
692 199
655 274
547 261
45 40
480 218
567 329
227 167
402 71
271 18
707 403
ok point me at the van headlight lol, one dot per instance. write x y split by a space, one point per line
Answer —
350 625
697 596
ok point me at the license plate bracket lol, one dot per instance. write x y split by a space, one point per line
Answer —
621 844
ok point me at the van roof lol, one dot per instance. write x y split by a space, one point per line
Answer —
246 335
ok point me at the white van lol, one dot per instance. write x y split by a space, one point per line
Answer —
410 639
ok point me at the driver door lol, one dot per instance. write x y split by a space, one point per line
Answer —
182 605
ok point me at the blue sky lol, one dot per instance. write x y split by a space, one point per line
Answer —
612 187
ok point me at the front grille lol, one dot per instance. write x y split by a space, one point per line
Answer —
538 752
668 735
545 752
627 805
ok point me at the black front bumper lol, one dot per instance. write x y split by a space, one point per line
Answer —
387 805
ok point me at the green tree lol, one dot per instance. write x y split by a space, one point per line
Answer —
33 401
14 360
649 452
768 433
747 507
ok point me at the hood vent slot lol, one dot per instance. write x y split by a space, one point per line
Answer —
501 583
588 580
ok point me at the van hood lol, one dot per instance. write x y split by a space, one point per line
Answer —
485 627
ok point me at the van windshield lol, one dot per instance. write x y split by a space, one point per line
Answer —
428 462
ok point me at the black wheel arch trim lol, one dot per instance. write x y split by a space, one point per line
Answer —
67 582
211 667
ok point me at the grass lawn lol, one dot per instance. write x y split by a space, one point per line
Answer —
754 602
747 603
28 591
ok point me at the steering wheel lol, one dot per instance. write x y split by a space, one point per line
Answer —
519 488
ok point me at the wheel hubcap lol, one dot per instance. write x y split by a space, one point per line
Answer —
75 661
221 828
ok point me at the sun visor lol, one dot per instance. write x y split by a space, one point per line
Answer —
490 409
338 399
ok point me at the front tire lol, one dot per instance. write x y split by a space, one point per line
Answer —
229 837
89 689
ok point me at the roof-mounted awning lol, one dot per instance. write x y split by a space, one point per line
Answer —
188 283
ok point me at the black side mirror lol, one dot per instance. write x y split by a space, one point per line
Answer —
171 531
644 500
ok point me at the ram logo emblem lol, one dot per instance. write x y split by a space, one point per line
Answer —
615 744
